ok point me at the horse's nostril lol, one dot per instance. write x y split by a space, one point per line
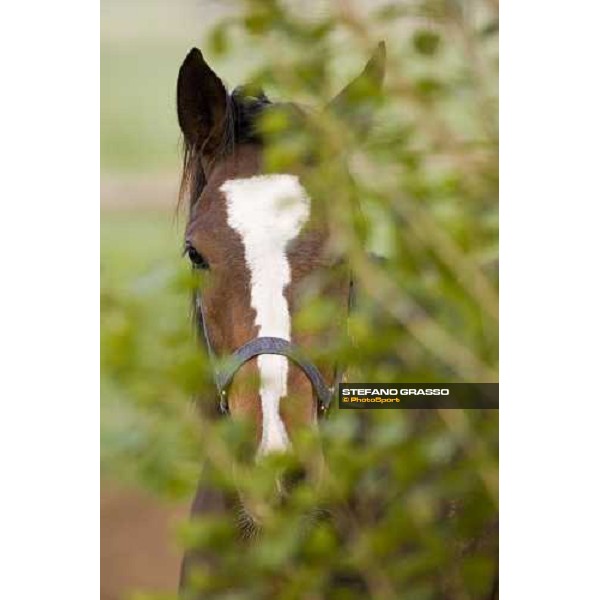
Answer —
294 477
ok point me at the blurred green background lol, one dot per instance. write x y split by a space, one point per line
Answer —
142 45
427 180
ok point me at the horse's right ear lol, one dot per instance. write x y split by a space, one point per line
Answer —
201 102
356 101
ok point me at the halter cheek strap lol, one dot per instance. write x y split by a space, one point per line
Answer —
267 345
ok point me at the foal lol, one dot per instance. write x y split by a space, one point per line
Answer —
259 239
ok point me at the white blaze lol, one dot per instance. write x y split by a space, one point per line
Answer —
268 212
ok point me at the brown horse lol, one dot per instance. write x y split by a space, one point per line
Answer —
259 238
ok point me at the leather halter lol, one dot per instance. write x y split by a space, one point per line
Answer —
223 374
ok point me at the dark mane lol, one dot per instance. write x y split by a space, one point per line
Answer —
242 114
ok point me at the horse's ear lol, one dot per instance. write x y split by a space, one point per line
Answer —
357 100
201 102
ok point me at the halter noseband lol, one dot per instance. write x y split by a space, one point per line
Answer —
266 345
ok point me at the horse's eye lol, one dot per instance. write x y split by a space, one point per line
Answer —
197 260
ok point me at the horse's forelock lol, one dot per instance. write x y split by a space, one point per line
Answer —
242 114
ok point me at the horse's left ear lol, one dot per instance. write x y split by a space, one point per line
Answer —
201 102
357 100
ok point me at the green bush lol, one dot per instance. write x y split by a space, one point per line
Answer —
408 508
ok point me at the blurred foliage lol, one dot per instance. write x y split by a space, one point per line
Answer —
409 503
